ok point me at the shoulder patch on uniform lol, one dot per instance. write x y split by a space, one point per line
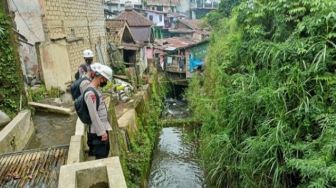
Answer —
93 97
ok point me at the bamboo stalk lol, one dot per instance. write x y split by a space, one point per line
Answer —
4 163
34 163
40 163
36 160
26 170
9 169
20 166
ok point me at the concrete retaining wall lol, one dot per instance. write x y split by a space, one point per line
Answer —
17 133
105 172
77 144
126 122
99 173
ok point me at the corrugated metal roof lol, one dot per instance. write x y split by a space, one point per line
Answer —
176 42
34 168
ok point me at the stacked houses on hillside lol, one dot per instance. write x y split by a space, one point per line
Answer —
130 34
157 33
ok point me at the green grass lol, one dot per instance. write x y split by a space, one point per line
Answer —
267 101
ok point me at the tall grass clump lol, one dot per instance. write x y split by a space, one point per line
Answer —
267 99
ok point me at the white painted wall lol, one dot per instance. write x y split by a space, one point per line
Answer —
184 7
55 64
28 19
119 5
156 18
143 64
28 23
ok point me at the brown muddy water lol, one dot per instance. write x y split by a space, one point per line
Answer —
52 130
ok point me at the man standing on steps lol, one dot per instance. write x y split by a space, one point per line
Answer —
98 140
83 68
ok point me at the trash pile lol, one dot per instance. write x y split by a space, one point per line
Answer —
122 90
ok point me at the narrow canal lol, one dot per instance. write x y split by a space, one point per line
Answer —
51 130
175 163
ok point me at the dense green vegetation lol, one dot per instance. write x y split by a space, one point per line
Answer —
136 161
11 87
41 93
268 98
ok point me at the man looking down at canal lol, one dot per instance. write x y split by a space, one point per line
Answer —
80 85
88 78
97 132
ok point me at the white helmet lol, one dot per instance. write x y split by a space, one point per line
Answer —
103 70
87 53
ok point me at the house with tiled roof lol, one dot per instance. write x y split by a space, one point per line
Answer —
179 57
118 31
129 34
140 26
189 28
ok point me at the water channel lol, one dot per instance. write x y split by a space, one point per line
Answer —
175 163
51 130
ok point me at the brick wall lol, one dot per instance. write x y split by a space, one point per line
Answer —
80 22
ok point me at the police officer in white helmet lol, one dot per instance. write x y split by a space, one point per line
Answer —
98 140
83 68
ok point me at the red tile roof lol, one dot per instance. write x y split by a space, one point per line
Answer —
115 29
115 24
134 19
193 24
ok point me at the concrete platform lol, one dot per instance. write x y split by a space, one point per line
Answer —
15 136
52 108
99 173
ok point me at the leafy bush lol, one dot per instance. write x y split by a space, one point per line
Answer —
270 87
41 93
136 162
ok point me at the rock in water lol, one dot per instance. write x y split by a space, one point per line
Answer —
4 119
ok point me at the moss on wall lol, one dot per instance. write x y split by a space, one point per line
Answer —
136 162
11 81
